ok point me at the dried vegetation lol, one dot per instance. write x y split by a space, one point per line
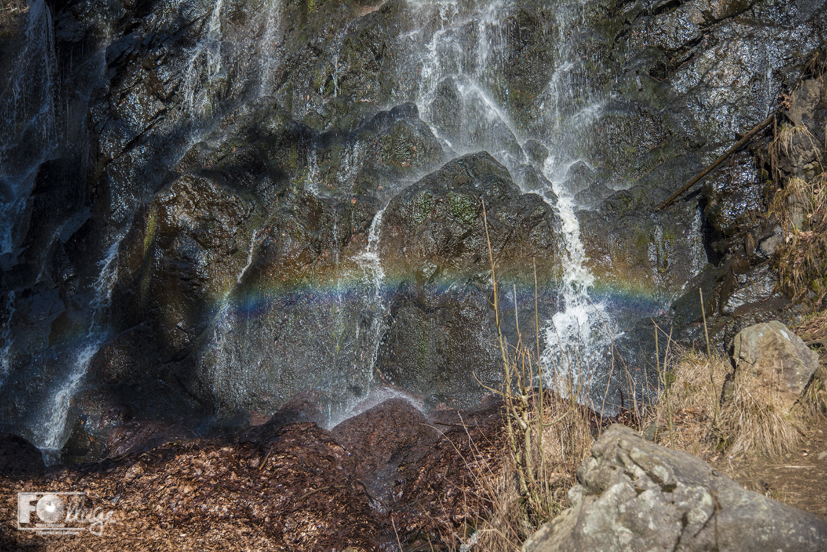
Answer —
801 260
10 13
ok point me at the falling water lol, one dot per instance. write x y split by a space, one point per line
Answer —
313 172
369 260
250 252
269 53
6 341
371 265
50 433
28 131
581 329
205 68
376 396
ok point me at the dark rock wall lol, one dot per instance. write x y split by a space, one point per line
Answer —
229 159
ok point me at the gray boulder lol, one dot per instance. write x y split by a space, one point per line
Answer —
636 495
776 356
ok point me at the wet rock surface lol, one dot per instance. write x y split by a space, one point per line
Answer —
192 227
635 494
18 457
434 241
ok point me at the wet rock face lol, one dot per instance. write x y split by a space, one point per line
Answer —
680 82
434 241
629 245
435 231
232 160
635 494
193 243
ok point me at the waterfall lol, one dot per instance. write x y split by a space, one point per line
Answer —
253 241
28 129
218 67
458 62
369 260
269 53
371 265
582 329
204 67
50 432
468 65
6 337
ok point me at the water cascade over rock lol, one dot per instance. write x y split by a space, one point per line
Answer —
209 207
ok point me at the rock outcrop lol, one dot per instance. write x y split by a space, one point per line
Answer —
777 358
635 495
435 250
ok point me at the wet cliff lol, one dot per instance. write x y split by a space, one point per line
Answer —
209 207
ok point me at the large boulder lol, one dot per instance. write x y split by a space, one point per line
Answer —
435 250
776 357
636 495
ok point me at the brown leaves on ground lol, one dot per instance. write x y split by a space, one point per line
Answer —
290 494
294 489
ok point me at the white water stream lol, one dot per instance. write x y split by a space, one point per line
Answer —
445 56
51 433
28 128
582 329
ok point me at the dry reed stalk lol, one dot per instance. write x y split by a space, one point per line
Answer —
11 10
547 438
801 207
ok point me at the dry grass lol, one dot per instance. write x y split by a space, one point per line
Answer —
692 416
10 10
790 135
801 260
548 436
516 513
813 330
755 420
684 417
800 206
